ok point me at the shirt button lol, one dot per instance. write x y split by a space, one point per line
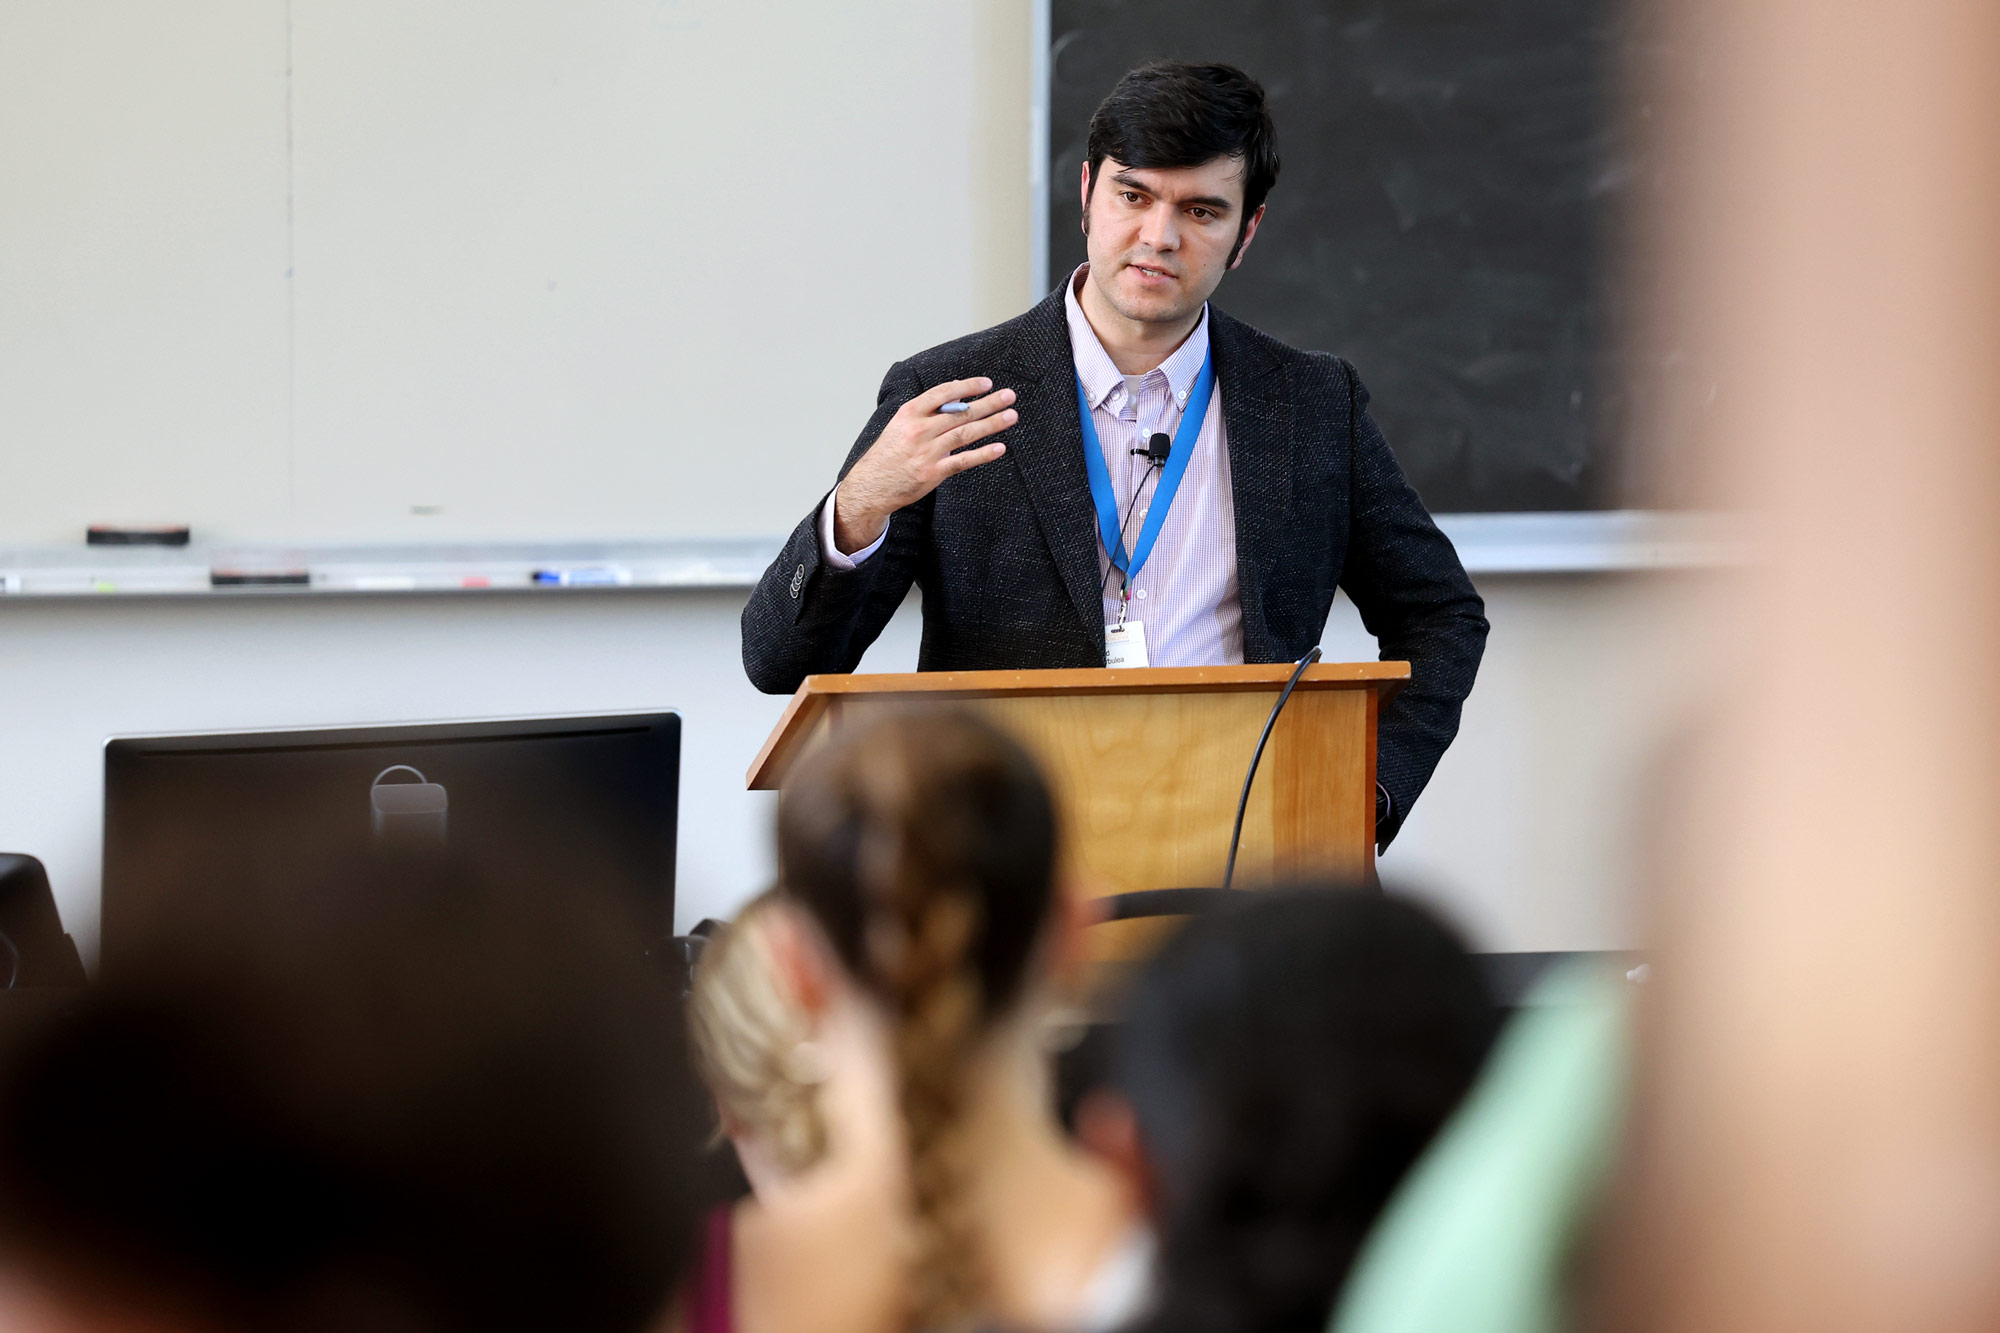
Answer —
1142 594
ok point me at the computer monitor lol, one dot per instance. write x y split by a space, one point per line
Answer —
564 799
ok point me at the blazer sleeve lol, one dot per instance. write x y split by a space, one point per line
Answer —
806 617
1414 596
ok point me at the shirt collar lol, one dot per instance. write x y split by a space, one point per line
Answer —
1100 375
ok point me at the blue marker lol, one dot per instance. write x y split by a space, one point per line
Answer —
953 409
581 578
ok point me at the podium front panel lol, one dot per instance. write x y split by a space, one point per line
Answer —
1147 785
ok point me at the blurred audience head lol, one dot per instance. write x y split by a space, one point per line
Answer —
750 1046
392 1098
923 848
1282 1063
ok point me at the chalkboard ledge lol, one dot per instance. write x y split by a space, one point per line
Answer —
1597 541
1488 544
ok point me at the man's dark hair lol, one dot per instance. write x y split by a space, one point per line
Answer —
1168 113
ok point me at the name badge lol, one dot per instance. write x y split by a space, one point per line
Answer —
1125 645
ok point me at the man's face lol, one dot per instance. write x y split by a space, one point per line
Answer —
1160 238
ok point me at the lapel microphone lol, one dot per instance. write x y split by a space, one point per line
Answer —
1155 453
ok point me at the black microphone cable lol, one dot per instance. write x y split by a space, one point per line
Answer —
1243 802
1156 451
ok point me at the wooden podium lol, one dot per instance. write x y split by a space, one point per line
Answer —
1147 765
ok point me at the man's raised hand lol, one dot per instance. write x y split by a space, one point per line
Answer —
916 451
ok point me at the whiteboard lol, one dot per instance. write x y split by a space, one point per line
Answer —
416 270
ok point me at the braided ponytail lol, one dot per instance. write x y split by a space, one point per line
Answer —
917 954
925 847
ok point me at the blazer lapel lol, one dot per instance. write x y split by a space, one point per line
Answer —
1258 414
1047 451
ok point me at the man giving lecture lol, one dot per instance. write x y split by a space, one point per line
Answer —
1125 475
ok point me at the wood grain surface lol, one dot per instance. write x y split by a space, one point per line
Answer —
1147 766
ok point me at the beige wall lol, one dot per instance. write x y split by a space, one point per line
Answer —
1533 831
1525 835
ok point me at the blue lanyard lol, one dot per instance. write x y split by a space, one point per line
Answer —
1170 476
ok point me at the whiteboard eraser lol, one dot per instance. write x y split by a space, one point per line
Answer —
164 534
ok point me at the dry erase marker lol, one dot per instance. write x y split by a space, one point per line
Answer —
581 578
953 409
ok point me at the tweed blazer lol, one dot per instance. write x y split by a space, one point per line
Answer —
1006 554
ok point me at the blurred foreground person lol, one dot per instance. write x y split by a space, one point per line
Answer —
917 861
750 1044
1282 1063
1494 1230
811 1115
1815 1140
395 1099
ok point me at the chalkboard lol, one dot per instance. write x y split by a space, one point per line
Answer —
1454 175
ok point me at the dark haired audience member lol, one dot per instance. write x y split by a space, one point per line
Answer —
1282 1064
917 859
396 1102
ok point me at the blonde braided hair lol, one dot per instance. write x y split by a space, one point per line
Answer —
746 1036
925 846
